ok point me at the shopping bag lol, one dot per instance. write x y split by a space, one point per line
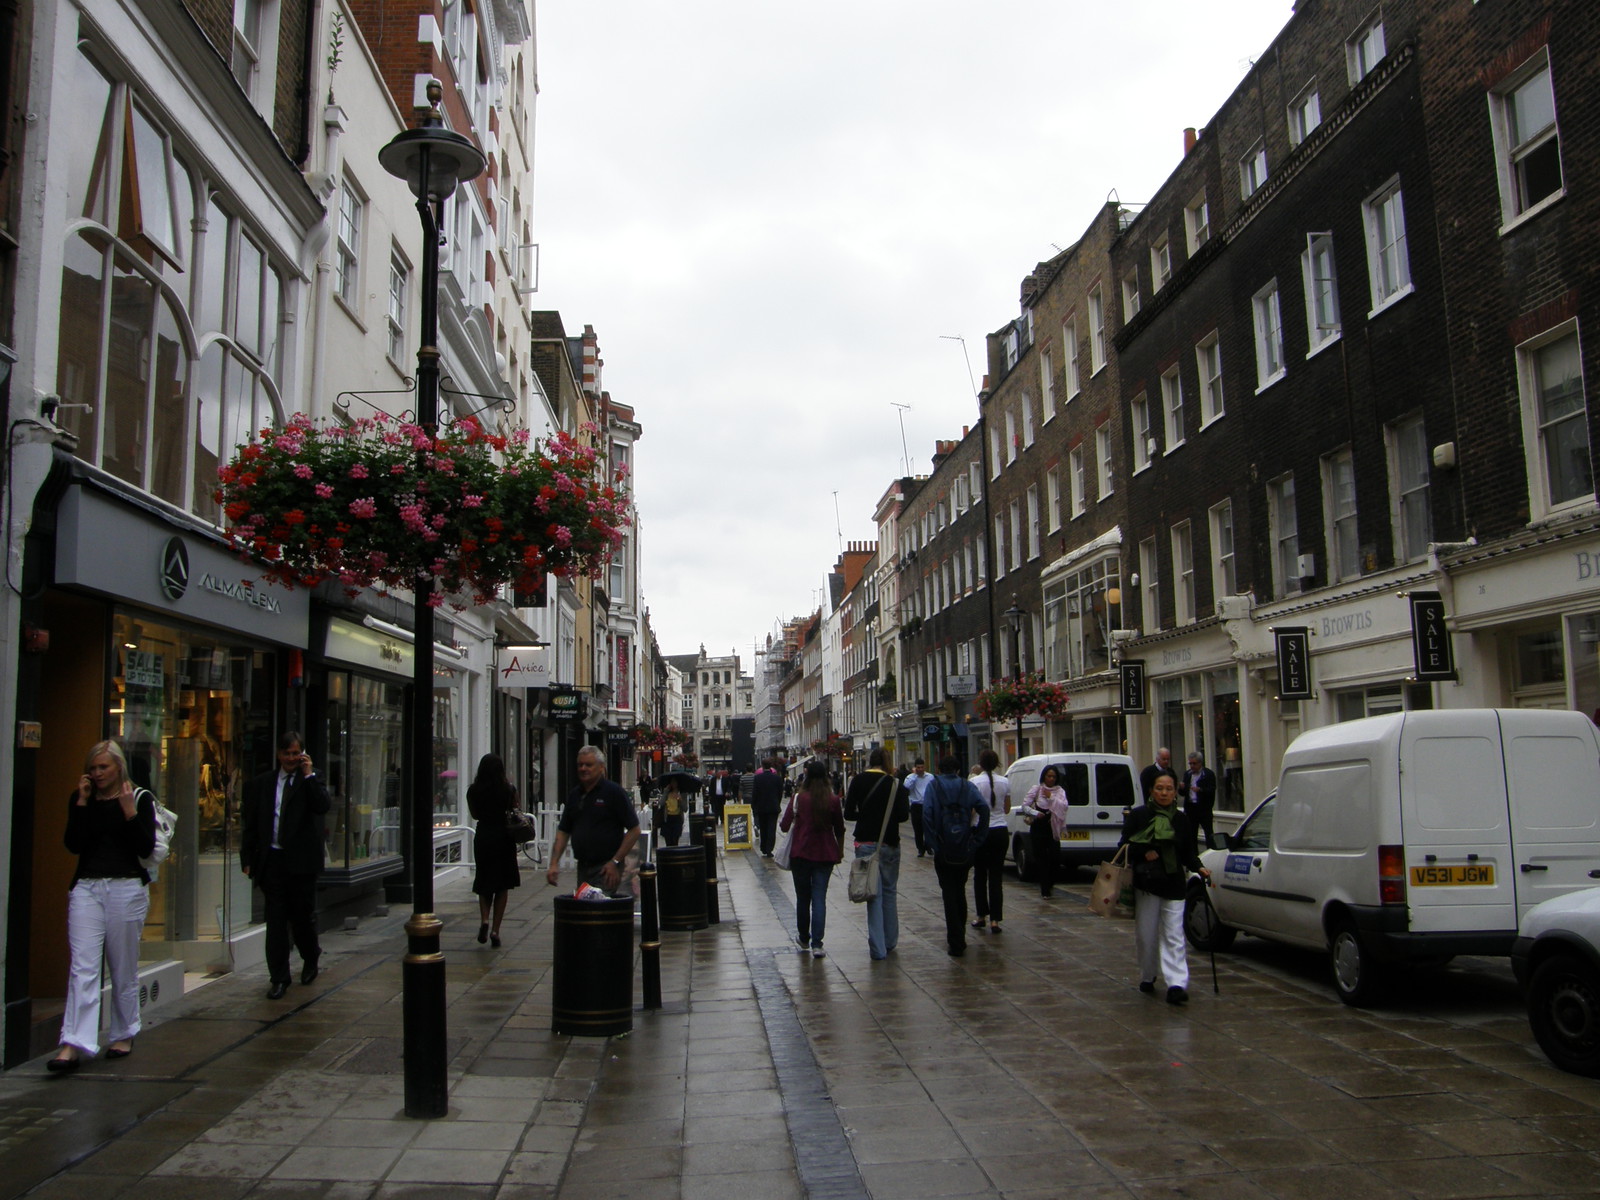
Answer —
864 878
780 852
1115 876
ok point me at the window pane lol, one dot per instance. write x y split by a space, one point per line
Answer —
209 453
1531 109
247 311
157 216
272 323
78 363
88 157
1563 420
128 373
212 287
169 428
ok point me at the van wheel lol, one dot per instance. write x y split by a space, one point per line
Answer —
1200 924
1357 976
1024 859
1564 1012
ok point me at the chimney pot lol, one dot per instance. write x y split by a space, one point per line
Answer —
1190 137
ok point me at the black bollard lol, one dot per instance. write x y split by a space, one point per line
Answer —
713 906
649 937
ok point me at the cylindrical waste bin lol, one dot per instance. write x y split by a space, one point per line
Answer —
592 967
697 828
681 883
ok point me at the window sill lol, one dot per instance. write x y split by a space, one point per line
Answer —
349 311
1073 395
1205 425
1141 468
1270 380
1391 300
1173 448
405 376
1322 345
1527 214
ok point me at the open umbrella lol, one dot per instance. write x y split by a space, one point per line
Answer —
682 780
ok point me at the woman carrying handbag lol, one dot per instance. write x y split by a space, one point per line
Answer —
818 824
879 804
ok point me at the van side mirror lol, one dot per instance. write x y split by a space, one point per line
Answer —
1230 841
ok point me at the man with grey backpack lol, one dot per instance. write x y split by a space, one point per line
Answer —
955 821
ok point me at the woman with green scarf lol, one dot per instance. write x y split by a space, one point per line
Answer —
1161 849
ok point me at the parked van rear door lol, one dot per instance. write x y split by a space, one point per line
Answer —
1553 780
1460 874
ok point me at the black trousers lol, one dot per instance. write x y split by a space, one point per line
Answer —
1200 818
291 912
953 888
767 827
916 828
988 872
1046 852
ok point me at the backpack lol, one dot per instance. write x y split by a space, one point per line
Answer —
166 823
954 837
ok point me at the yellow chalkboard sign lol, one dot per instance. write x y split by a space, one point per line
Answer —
736 827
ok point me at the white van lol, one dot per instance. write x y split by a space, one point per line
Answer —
1099 787
1410 837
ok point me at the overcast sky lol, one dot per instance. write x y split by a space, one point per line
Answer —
771 212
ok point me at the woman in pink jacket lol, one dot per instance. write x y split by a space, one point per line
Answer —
818 821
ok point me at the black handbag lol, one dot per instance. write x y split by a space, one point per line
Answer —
519 826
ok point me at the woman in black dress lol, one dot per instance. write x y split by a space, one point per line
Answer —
489 799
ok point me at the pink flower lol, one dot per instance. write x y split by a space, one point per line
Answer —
561 535
365 507
358 471
471 501
303 471
323 491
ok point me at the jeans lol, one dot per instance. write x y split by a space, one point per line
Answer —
810 899
883 910
988 875
103 915
953 887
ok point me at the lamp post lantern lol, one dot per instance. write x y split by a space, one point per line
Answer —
432 160
1015 615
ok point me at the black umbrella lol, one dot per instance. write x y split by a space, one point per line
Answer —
682 780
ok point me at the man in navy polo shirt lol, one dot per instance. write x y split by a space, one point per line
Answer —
601 823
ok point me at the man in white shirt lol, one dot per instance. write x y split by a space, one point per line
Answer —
917 784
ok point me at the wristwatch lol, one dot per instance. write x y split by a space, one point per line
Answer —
616 862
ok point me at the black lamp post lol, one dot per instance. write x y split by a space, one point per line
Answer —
1015 615
432 160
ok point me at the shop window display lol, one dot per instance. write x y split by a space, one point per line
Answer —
366 757
195 715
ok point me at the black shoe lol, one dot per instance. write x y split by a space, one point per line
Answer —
1176 995
278 990
978 924
957 951
113 1053
308 972
494 940
1148 987
61 1066
483 933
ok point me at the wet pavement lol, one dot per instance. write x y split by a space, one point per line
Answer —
1029 1068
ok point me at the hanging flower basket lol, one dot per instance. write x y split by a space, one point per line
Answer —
1008 699
381 502
665 737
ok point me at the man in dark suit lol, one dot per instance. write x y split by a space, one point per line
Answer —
766 799
281 847
1147 776
1199 793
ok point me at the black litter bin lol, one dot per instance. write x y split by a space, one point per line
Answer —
592 968
697 828
681 883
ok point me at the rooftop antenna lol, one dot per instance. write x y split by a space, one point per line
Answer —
902 414
838 525
955 337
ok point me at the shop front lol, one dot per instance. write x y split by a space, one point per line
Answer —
152 634
1527 622
1193 679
